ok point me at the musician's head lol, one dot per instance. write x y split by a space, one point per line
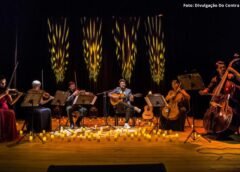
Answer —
36 85
175 84
122 83
72 86
3 82
220 67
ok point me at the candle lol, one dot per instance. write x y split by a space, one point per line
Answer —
52 137
41 134
115 138
21 132
44 138
132 136
30 138
44 131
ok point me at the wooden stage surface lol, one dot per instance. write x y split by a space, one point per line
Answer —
198 155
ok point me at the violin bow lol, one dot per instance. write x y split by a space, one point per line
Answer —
75 78
42 79
10 81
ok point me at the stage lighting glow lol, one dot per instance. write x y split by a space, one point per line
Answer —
58 39
92 45
156 48
125 37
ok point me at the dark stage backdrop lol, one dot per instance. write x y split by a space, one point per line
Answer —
194 39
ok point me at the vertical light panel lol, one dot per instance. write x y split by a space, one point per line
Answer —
156 48
92 45
58 38
125 37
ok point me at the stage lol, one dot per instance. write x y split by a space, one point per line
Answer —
121 146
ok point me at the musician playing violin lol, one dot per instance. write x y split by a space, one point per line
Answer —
5 94
8 129
73 93
41 114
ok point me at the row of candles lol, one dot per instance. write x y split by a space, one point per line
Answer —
84 134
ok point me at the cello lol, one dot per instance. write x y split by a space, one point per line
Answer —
171 110
218 117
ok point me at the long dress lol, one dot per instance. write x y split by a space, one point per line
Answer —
8 128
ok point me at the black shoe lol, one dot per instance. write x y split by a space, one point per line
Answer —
71 125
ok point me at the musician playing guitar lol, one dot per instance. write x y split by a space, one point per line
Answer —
125 97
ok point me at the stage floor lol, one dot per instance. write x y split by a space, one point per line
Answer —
120 146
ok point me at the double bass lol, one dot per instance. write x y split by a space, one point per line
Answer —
218 117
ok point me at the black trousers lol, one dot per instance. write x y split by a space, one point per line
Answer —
82 110
124 108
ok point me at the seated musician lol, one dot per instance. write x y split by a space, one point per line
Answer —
41 114
73 93
181 98
8 129
126 103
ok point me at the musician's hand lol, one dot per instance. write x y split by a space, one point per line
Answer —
203 92
230 76
7 92
51 98
131 98
76 92
87 93
230 69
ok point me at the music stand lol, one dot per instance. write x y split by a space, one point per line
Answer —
105 109
192 82
59 101
31 100
155 100
85 99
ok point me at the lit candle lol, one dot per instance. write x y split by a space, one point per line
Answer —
41 134
132 136
44 138
52 137
44 131
21 132
115 138
62 136
30 138
139 137
149 137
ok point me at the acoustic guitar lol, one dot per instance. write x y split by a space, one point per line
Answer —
148 113
119 97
